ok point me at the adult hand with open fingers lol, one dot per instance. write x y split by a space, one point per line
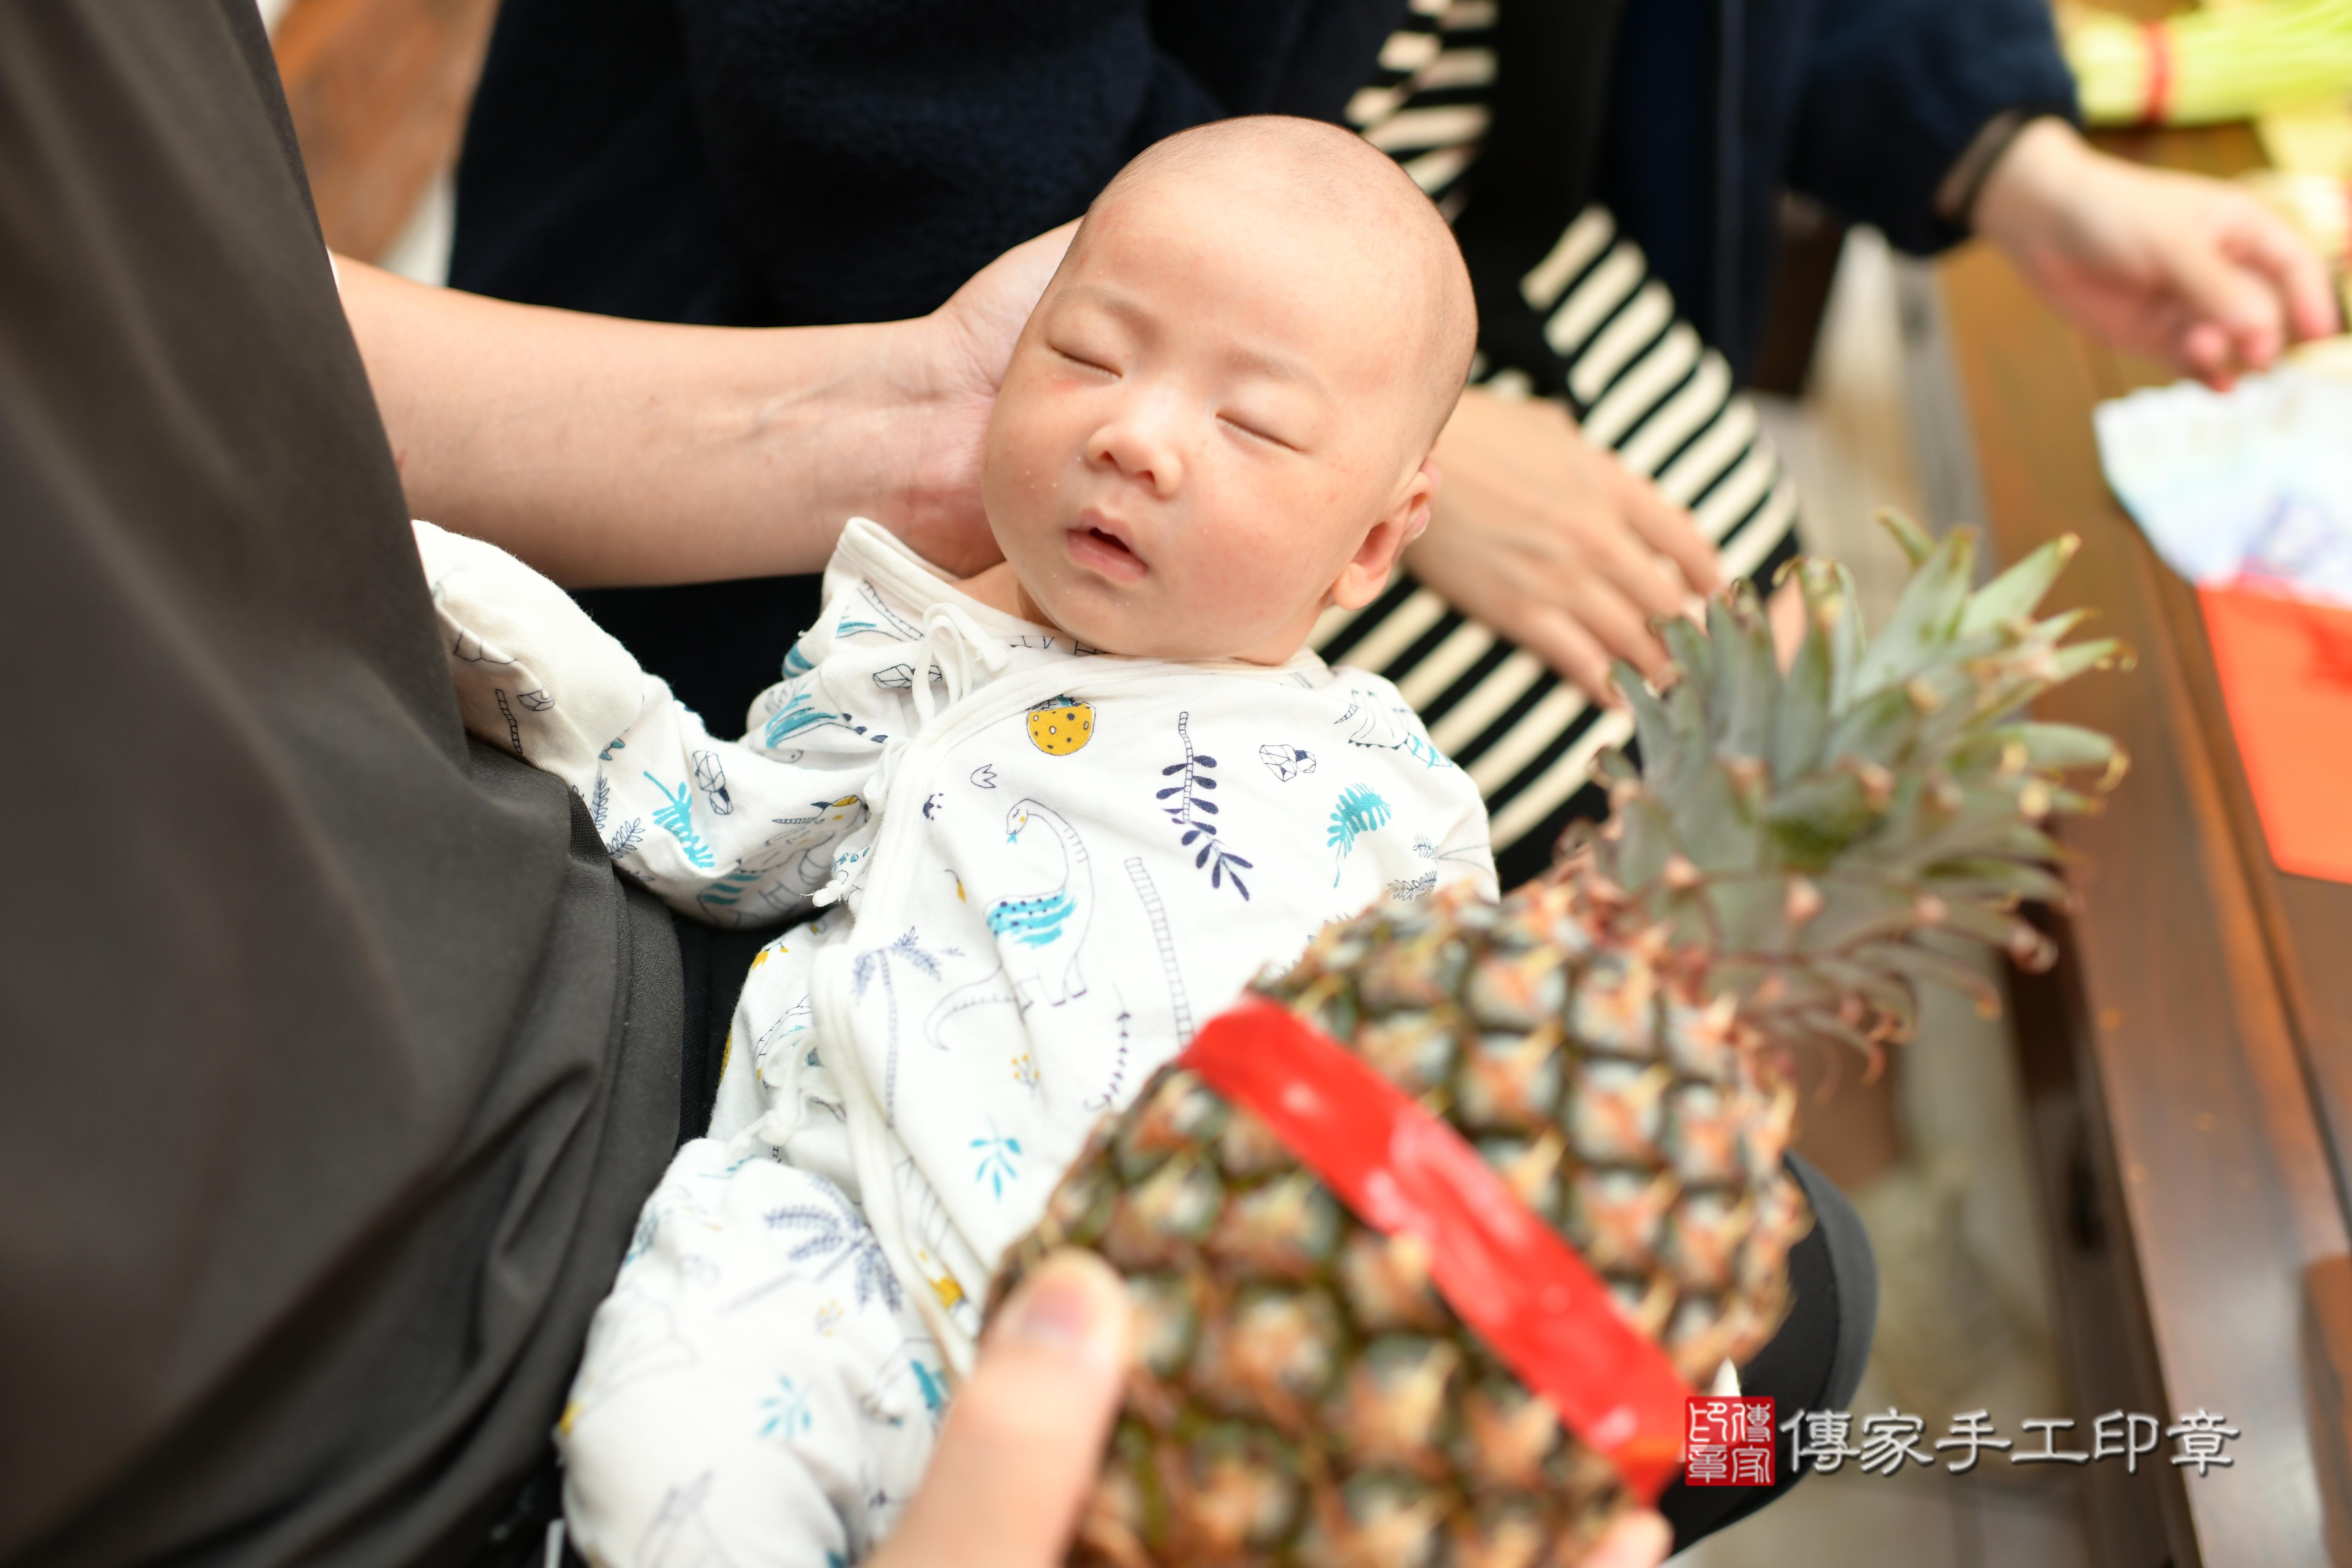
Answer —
2182 268
960 364
1554 543
1022 1445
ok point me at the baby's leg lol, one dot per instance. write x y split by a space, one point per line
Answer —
756 1389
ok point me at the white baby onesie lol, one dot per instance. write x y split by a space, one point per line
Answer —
1040 869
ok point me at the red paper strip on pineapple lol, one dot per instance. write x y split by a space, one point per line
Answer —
1507 1273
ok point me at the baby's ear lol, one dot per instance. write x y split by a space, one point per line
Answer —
1367 571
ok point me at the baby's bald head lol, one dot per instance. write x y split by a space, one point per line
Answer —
1394 259
1218 420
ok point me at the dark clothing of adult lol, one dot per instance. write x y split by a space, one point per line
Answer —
335 1062
785 162
752 163
797 163
1717 106
1689 119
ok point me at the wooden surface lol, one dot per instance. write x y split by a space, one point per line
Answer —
2327 1351
379 90
2209 1023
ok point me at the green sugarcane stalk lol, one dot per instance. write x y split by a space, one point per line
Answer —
2208 66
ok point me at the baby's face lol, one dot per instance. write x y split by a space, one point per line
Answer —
1204 437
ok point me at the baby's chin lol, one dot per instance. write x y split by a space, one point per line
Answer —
1108 629
1113 632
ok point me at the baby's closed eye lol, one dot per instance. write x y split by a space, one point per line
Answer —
1257 429
1086 356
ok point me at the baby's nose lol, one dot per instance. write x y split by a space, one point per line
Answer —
1140 446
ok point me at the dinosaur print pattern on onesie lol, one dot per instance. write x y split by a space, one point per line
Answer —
1024 874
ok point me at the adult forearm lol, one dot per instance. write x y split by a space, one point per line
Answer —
605 451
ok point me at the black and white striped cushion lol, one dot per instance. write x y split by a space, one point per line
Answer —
1639 383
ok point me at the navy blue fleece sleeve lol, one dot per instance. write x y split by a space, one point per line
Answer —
875 153
766 162
1895 90
872 154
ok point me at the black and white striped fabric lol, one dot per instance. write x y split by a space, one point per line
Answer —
1639 383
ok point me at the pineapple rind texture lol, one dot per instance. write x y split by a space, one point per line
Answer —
1614 1039
1303 1395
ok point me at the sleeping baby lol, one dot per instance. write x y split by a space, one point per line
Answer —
1047 820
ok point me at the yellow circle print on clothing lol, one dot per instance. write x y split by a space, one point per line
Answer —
1060 725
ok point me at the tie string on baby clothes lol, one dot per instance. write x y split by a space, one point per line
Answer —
954 654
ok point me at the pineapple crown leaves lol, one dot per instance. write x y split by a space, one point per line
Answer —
1805 829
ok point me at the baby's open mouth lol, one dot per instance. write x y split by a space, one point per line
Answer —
1102 550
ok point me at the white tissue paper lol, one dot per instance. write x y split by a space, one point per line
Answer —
2255 482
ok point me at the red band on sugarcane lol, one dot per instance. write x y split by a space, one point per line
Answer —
1507 1273
2156 96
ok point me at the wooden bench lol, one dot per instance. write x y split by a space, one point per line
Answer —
2190 1063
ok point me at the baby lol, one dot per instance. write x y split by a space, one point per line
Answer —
1055 816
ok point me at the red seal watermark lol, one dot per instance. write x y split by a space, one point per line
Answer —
1728 1440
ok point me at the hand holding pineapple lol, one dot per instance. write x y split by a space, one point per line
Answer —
1614 1039
1019 1452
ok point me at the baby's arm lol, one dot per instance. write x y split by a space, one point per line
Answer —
720 830
1464 850
1451 840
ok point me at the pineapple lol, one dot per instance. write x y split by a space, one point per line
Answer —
1615 1040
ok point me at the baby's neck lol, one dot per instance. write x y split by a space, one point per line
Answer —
1000 589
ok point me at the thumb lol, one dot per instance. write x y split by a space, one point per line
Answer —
1019 1452
994 303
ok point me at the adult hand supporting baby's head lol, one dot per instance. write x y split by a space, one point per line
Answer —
1018 1453
967 344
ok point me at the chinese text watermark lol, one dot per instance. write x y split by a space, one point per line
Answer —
1728 1441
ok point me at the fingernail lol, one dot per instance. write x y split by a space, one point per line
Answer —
1058 1307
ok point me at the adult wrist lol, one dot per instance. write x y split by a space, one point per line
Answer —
858 422
2026 189
1963 185
922 399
